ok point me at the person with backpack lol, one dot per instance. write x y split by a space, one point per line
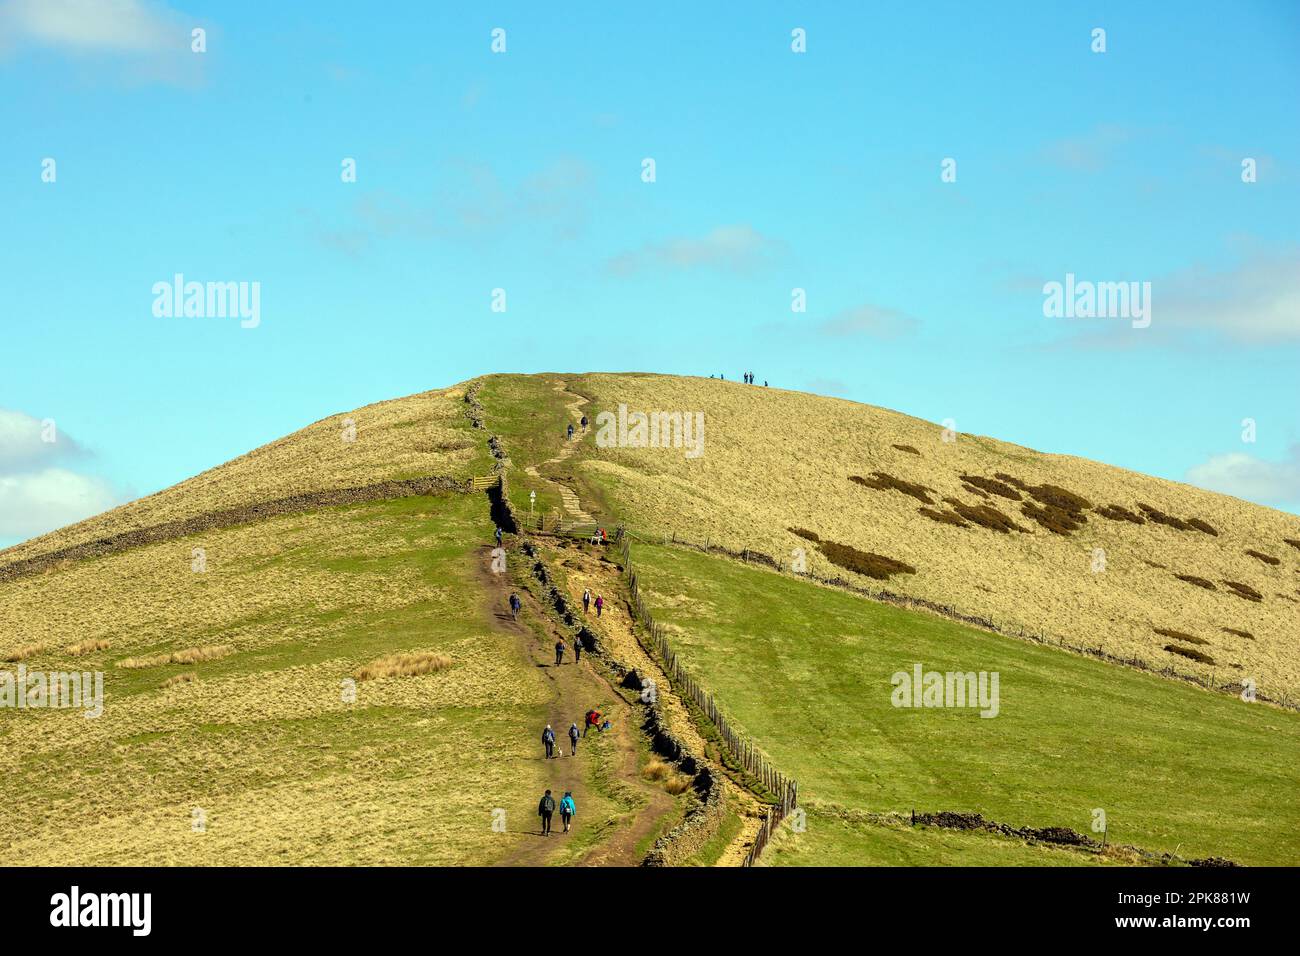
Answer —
600 603
498 536
548 740
559 652
577 649
570 431
573 740
545 807
584 423
567 809
586 600
515 605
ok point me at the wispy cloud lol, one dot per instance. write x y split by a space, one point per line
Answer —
555 202
870 321
1253 302
143 41
1091 152
1251 478
737 249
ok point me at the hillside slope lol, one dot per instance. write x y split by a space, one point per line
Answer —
416 436
335 681
1051 544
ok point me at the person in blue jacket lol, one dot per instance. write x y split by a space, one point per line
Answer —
567 809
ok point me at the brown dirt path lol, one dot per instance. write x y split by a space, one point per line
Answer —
574 687
616 630
583 568
572 506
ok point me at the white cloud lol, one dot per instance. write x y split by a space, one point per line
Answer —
1251 478
36 502
146 40
1256 301
26 442
91 25
739 249
872 321
1252 302
38 492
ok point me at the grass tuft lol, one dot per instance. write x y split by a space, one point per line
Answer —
405 665
88 646
191 655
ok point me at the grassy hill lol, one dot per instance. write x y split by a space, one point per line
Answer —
1084 552
416 436
806 670
230 613
323 683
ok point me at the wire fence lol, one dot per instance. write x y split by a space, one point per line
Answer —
1011 629
742 748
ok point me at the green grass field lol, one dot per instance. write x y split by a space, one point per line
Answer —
807 672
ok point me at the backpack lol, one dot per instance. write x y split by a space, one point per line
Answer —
548 804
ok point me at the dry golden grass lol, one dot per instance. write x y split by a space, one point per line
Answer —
424 434
23 651
666 775
190 655
405 665
286 769
657 770
775 460
147 597
88 647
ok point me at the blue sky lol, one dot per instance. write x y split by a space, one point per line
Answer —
522 170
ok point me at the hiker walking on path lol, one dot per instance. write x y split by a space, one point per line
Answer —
586 600
577 649
548 739
545 807
567 809
570 431
559 652
600 603
573 740
584 423
498 536
515 604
